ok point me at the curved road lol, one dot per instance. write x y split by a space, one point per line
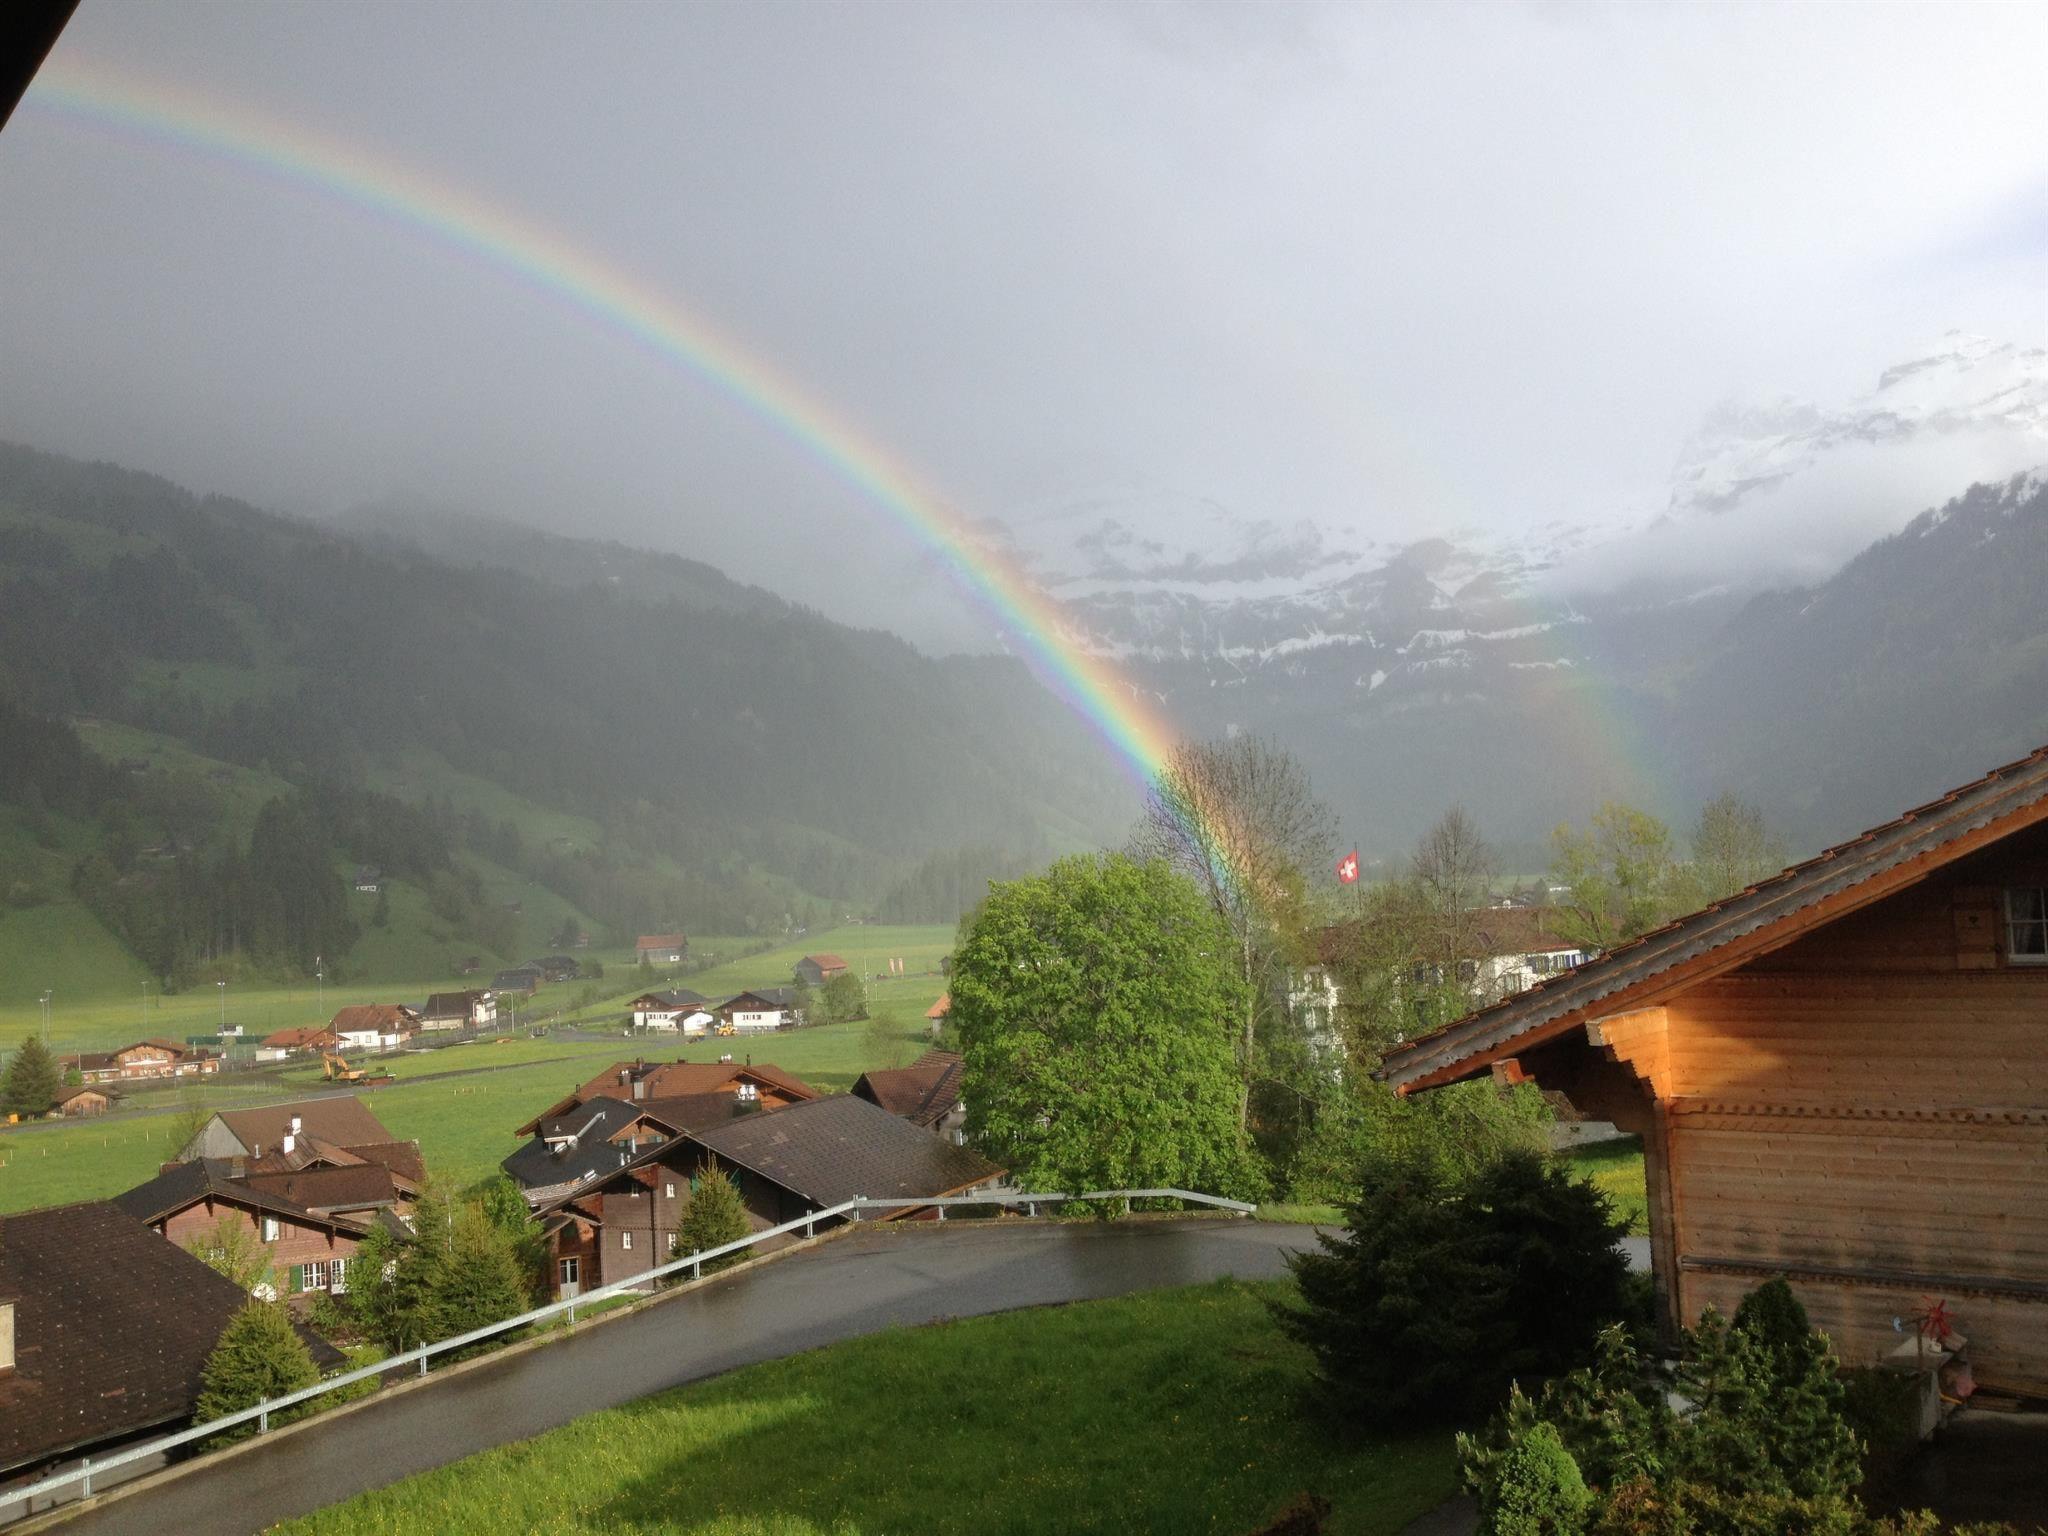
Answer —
875 1278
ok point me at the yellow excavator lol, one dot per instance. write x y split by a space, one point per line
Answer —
335 1069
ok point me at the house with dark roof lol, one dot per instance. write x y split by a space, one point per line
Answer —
558 967
604 1133
785 1163
926 1093
86 1099
638 1082
675 1010
816 970
662 948
1838 1075
471 1009
523 979
105 1330
760 1011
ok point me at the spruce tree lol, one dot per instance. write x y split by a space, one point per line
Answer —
1540 1491
478 1280
1806 1435
715 1216
31 1085
259 1356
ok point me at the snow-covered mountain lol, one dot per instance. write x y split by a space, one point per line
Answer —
1539 662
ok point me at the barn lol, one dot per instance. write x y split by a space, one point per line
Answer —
1840 1075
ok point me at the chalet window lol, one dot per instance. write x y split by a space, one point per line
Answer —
2026 924
668 1191
569 1270
270 1229
316 1275
626 1241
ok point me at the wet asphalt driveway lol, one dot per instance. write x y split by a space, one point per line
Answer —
876 1278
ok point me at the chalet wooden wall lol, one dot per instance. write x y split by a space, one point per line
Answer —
1867 1109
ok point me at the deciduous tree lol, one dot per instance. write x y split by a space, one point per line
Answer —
1619 877
1732 848
230 1247
1093 1005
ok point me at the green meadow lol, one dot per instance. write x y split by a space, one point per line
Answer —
1171 1411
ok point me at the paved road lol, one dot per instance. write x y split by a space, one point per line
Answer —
873 1279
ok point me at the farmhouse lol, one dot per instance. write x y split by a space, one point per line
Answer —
145 1058
1519 947
760 1011
337 1132
816 970
459 1010
370 1027
676 1010
104 1331
926 1093
785 1162
196 1202
1838 1076
939 1012
642 1082
523 979
661 948
287 1043
85 1100
604 1133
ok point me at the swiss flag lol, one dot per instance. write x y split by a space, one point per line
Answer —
1347 868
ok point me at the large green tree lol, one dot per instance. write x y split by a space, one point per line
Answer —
1095 1006
1619 876
31 1084
714 1216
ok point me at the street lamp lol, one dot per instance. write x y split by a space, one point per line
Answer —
223 1005
47 995
319 988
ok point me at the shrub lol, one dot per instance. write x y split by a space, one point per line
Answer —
1767 1404
1539 1491
1443 1290
714 1217
259 1356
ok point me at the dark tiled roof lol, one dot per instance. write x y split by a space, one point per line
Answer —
593 1123
829 1150
772 997
676 997
102 1090
452 1005
112 1328
1914 845
330 1189
923 1093
344 1121
401 1157
211 1178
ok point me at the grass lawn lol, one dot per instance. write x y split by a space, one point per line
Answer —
1171 1411
1616 1168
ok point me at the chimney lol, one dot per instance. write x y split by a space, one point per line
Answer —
639 1087
290 1141
295 1128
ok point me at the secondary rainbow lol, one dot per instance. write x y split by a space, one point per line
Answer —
549 262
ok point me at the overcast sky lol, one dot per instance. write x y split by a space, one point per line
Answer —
1403 268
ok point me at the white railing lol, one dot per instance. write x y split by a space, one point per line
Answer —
262 1413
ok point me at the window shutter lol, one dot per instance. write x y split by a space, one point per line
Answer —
298 1278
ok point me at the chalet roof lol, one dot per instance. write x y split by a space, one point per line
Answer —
98 1090
384 1018
1764 917
452 1005
328 1189
661 941
1502 931
674 997
943 1008
112 1328
827 962
769 998
924 1092
293 1039
670 1081
183 1185
829 1150
593 1124
343 1121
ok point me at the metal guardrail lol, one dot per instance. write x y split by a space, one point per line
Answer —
262 1413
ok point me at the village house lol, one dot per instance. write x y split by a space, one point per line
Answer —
194 1204
676 1011
472 1009
1838 1077
287 1043
785 1162
641 1082
760 1011
926 1093
86 1099
661 948
935 1017
371 1027
523 979
302 1133
144 1059
105 1330
1518 947
558 967
816 970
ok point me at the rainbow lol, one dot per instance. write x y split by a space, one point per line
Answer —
550 263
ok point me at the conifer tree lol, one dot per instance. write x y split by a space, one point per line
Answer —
31 1085
479 1281
259 1356
1805 1433
715 1216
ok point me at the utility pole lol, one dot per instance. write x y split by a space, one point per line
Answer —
47 995
319 988
223 1003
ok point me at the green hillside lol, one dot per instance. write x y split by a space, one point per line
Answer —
215 716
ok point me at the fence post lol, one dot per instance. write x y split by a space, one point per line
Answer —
697 1270
942 1213
423 1364
810 1227
263 1418
84 1479
572 1311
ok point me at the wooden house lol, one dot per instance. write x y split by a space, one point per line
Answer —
662 948
678 1010
926 1093
816 970
1840 1075
640 1082
471 1009
143 1059
760 1011
87 1099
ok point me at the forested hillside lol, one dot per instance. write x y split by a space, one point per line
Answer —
655 747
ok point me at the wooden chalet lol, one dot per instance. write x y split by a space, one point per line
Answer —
145 1058
636 1082
1840 1075
662 948
926 1093
816 970
85 1099
785 1163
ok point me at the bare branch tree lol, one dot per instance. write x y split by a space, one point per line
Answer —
1453 871
1239 818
